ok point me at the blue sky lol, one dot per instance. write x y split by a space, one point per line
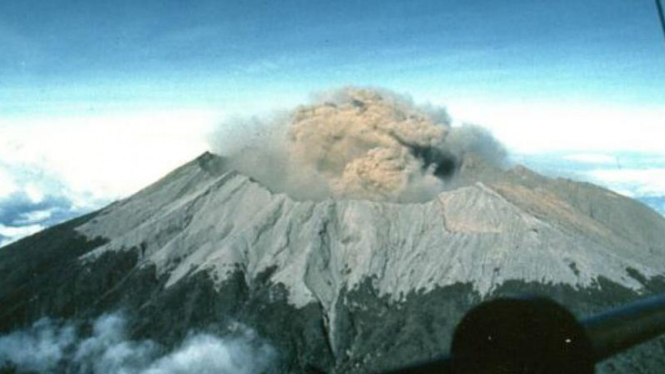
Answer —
98 98
105 55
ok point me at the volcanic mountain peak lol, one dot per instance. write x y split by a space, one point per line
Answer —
494 227
346 286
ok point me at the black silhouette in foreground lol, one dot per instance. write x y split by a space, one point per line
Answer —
536 335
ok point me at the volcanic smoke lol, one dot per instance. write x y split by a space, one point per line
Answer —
355 143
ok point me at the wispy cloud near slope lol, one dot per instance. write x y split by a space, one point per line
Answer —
49 346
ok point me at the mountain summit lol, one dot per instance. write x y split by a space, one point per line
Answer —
343 285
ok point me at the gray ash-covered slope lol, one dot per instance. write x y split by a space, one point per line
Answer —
342 285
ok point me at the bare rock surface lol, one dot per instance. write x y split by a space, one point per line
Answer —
495 227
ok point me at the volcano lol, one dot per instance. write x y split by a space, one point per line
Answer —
340 285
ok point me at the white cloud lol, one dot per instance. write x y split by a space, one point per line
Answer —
47 346
15 233
34 217
636 182
34 193
536 127
82 163
103 157
207 354
591 158
38 349
7 185
108 350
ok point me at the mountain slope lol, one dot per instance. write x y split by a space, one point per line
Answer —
346 285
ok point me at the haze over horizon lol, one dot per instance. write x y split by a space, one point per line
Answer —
99 99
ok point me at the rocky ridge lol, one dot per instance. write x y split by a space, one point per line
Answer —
486 231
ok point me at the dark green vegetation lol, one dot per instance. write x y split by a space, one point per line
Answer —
36 273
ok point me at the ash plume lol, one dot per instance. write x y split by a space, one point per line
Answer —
354 143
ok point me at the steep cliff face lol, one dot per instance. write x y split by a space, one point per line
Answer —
343 285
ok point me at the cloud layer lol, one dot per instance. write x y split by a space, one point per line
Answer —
36 201
48 346
53 168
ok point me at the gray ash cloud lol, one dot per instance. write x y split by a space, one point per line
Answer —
356 143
